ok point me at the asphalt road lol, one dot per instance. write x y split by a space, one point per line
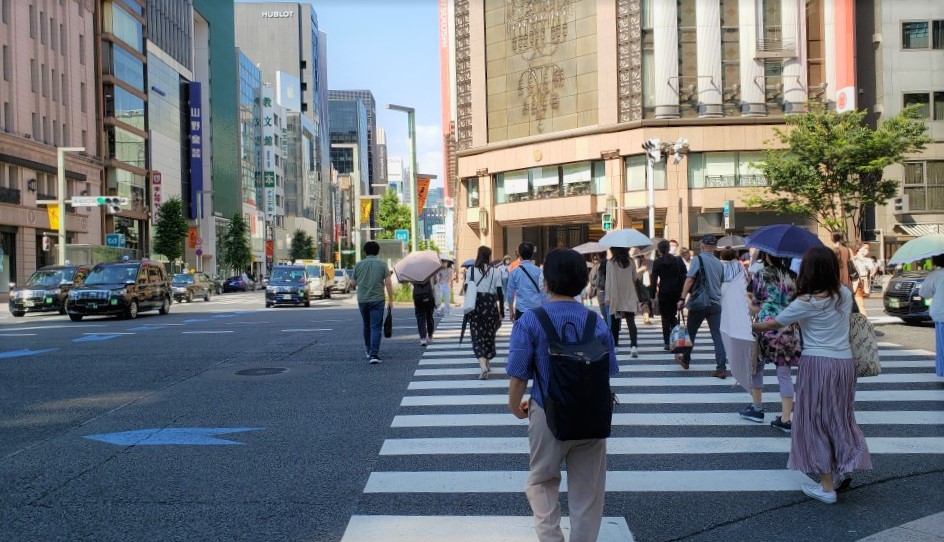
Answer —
332 438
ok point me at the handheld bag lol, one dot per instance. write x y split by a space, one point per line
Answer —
388 324
864 345
578 402
471 293
679 340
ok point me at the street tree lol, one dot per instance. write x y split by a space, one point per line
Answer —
171 230
302 246
831 165
392 216
429 244
235 251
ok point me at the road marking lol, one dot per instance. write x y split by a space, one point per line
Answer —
727 419
616 481
214 332
72 326
465 529
669 398
96 337
314 329
17 334
109 333
24 352
196 320
649 445
186 436
473 368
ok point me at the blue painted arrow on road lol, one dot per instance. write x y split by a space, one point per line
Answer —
225 315
179 436
24 352
195 320
144 328
90 338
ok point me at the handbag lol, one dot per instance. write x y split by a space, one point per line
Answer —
864 346
679 340
388 323
471 292
701 300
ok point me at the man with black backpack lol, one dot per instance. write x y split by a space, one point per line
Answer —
525 284
569 353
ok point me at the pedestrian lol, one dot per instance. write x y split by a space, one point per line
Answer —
705 276
504 269
622 299
736 320
525 285
371 278
826 439
845 259
643 281
565 274
600 283
424 302
487 316
446 278
773 288
866 269
673 247
933 283
686 255
594 273
668 276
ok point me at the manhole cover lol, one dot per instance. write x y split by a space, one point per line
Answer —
262 371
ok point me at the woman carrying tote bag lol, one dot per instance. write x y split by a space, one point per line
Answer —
485 319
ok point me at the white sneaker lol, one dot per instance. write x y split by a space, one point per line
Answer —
633 353
814 490
423 342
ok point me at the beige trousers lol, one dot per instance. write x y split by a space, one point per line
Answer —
586 482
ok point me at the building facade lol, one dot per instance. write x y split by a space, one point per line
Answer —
550 118
47 100
250 159
370 105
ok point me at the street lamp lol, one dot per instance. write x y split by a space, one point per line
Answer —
658 151
411 130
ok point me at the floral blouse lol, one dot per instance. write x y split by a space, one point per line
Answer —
773 289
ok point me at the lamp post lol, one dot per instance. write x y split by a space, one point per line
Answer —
658 151
411 129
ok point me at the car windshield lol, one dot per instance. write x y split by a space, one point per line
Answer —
288 275
183 279
340 273
314 271
112 274
50 278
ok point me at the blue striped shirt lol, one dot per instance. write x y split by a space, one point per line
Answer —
522 290
528 339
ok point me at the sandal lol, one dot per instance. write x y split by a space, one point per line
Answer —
484 374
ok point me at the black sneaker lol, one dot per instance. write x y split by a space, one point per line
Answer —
786 427
749 414
374 360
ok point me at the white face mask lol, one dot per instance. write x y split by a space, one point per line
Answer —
673 250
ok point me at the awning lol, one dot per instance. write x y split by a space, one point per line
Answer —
920 230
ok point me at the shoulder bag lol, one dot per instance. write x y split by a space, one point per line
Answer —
701 299
471 292
864 345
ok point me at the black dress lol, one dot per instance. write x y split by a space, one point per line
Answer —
485 320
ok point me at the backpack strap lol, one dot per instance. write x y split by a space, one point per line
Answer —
590 328
534 282
546 323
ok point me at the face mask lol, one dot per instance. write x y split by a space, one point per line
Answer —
673 250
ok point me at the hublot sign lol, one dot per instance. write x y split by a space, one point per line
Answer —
278 14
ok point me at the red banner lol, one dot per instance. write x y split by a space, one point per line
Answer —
422 190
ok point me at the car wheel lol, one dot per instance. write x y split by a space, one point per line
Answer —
219 290
65 307
132 312
165 306
206 297
328 293
18 314
268 305
307 302
73 317
189 297
912 321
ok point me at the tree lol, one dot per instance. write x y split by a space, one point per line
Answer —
392 216
302 246
235 251
832 165
425 244
171 230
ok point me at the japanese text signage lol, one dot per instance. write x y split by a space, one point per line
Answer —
195 132
155 195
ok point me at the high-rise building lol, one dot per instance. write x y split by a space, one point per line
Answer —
396 177
250 158
549 129
272 168
47 100
370 105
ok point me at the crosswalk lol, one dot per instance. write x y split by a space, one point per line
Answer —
454 463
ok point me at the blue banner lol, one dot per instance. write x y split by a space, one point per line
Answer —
195 131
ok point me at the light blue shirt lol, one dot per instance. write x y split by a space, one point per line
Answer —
933 289
528 297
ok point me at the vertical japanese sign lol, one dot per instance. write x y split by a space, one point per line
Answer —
269 183
422 190
196 146
155 195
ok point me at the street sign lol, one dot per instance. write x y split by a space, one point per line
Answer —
115 240
199 252
84 201
348 251
729 214
402 235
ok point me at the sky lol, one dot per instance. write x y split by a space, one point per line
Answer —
390 47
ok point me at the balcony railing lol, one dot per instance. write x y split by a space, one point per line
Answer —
775 48
9 195
734 181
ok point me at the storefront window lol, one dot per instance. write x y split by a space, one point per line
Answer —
472 192
577 179
725 170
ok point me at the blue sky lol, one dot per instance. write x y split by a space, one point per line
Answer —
390 47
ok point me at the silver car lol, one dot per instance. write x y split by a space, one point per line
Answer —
342 281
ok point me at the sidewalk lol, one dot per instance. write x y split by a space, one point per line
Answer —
927 529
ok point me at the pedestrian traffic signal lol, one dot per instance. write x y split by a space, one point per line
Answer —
47 243
607 224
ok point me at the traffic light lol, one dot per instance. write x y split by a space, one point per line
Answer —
112 203
607 224
47 243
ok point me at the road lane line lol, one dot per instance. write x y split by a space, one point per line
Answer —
206 332
465 529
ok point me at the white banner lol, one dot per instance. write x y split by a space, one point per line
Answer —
516 182
270 202
546 176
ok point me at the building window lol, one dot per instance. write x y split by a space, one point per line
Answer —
123 65
687 60
124 26
636 174
725 169
8 116
53 41
126 146
62 40
730 58
915 35
575 179
814 42
82 97
82 49
472 192
648 61
7 62
32 21
930 104
45 76
5 11
34 76
65 91
924 185
124 106
42 28
35 126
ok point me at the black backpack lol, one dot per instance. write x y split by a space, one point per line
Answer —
423 291
578 403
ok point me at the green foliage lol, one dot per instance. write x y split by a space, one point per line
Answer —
235 251
832 165
404 292
302 246
427 244
171 229
392 216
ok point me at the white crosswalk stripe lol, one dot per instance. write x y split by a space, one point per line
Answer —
454 436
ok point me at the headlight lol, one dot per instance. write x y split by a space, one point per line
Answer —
271 290
118 293
74 294
15 295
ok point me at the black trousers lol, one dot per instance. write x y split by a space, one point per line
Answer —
668 305
630 323
424 317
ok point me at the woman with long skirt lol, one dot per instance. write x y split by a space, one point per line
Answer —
489 308
826 440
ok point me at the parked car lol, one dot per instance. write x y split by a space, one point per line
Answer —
239 283
121 289
187 286
47 289
902 297
321 279
217 282
288 284
342 281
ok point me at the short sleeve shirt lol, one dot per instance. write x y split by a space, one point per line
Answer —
370 274
713 275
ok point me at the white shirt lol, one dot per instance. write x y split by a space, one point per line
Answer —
933 284
823 322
